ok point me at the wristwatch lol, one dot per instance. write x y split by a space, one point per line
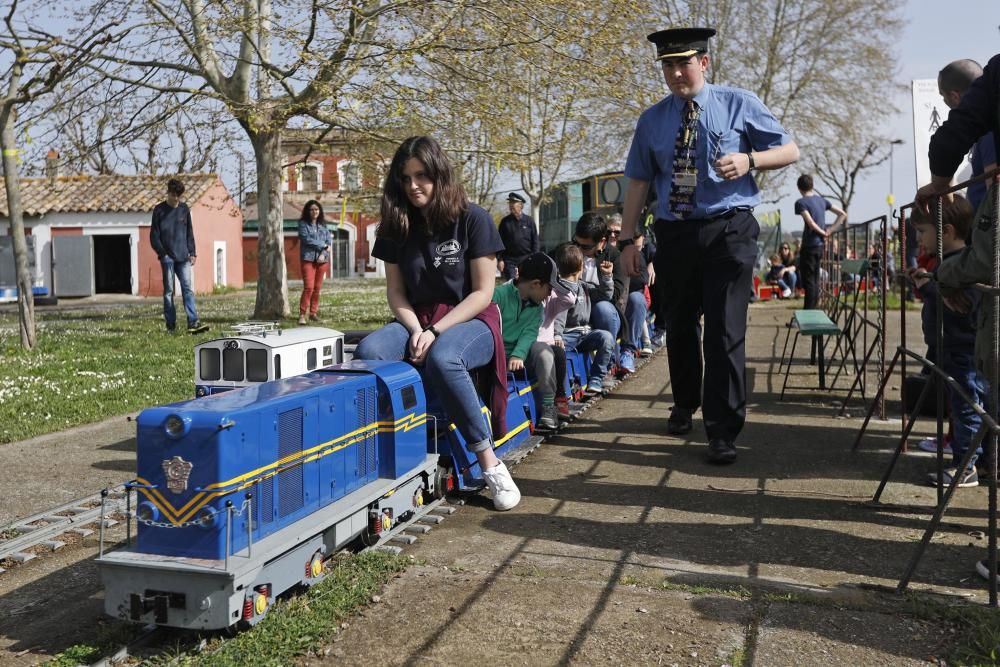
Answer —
750 157
433 331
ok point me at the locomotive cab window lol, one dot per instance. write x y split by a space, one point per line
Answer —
409 396
257 365
277 366
232 365
311 359
209 363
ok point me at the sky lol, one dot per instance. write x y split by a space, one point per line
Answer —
936 33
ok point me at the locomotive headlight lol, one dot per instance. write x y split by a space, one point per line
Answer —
147 512
176 426
207 517
232 345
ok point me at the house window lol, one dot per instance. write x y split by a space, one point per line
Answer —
310 178
350 176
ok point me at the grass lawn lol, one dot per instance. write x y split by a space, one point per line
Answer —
96 361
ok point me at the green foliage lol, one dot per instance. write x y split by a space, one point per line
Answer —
78 654
302 623
99 361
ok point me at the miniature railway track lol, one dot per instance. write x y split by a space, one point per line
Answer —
80 518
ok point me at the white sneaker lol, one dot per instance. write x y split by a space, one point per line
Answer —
505 493
785 293
646 351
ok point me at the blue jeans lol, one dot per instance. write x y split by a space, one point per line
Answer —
182 270
598 341
446 369
604 315
965 422
635 320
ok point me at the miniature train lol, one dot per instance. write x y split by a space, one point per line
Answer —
243 494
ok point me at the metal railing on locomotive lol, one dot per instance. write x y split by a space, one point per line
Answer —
862 322
989 419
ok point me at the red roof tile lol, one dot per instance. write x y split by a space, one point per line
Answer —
79 194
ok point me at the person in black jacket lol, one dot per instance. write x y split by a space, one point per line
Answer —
519 236
591 236
977 114
172 237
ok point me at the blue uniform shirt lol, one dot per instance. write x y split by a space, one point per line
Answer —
732 120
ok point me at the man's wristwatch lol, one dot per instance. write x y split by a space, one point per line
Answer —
433 330
750 157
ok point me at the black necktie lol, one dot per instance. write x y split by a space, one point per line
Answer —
682 194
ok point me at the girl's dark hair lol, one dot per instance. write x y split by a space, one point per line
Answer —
448 199
305 217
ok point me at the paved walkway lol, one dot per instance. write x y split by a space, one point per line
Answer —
628 548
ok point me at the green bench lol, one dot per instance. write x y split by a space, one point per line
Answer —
815 324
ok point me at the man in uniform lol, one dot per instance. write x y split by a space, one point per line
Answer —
519 236
699 145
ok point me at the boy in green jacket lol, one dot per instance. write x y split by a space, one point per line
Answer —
520 303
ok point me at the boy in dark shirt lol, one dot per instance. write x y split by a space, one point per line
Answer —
959 338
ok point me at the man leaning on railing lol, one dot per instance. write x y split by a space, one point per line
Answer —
977 114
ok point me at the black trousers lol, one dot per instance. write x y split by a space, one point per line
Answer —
809 268
704 269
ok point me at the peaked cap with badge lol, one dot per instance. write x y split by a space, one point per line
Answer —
680 42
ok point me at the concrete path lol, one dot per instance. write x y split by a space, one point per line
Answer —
628 548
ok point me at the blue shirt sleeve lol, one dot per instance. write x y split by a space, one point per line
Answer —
640 164
762 128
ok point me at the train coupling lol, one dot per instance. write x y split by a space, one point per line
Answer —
157 602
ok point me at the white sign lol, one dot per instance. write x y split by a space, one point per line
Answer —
929 112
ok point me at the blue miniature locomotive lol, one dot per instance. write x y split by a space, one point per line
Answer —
244 494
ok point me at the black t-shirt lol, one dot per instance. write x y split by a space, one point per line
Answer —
436 268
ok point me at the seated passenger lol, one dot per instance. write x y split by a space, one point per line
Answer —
440 252
547 358
608 311
573 326
520 302
637 265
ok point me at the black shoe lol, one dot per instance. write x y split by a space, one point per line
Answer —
197 328
680 421
721 451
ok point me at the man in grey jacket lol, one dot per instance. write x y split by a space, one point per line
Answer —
172 237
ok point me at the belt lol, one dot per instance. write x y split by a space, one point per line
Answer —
725 215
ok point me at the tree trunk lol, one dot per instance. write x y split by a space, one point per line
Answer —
272 278
25 296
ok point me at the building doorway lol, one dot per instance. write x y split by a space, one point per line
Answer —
341 254
112 264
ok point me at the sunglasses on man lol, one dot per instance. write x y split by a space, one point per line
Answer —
584 246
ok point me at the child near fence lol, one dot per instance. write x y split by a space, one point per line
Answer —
959 336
